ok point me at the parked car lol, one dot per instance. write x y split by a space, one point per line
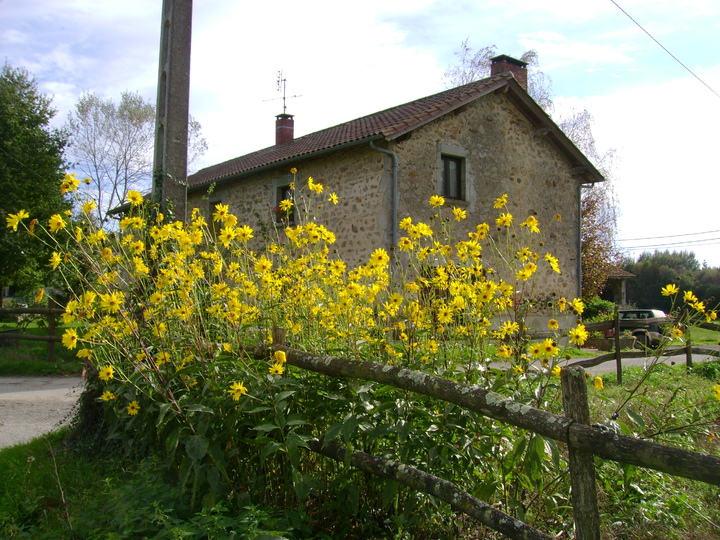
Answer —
644 324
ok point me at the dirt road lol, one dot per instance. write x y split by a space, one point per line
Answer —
33 406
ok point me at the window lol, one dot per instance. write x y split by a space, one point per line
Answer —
284 193
452 177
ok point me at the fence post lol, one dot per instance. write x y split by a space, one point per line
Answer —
582 464
618 356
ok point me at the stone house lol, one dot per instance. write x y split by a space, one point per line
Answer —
471 144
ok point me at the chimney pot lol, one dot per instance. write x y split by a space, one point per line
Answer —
284 129
503 63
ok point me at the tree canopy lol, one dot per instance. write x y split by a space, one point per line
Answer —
113 144
655 270
31 169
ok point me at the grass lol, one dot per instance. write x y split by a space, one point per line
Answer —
702 336
29 358
50 489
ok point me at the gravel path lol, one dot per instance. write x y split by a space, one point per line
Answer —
33 406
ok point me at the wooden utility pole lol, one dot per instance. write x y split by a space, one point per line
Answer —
171 125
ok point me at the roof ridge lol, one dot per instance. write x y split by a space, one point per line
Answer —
389 123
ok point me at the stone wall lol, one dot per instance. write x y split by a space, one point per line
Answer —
360 220
503 153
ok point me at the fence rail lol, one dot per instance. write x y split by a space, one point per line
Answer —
51 338
583 440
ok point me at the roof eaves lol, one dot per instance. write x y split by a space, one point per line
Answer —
283 162
561 141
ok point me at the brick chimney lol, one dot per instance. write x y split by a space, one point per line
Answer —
503 63
284 129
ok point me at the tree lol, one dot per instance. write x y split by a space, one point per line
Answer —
113 145
599 217
655 270
31 170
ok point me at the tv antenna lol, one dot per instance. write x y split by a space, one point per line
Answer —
282 87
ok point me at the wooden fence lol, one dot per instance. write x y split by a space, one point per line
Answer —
584 441
51 338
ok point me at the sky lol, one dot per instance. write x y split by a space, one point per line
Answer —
342 60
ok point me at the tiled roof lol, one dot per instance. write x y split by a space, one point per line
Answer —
618 273
387 124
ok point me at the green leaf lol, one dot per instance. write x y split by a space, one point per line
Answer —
196 447
197 407
266 427
269 450
636 418
332 433
283 395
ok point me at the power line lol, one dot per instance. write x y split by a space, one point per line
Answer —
665 49
695 243
669 236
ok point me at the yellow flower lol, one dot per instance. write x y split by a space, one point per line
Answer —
562 304
437 200
504 220
556 371
598 383
518 369
40 295
379 257
333 198
237 389
578 335
70 183
553 324
221 212
84 353
577 306
501 201
293 170
277 369
244 233
134 197
504 351
554 263
286 205
13 220
676 333
669 289
55 260
689 297
106 373
133 408
459 214
107 395
279 357
532 224
317 188
112 302
263 265
405 223
88 207
70 338
55 223
716 391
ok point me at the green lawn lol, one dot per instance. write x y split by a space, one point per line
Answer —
24 357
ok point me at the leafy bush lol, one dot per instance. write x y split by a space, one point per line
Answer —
597 309
180 321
